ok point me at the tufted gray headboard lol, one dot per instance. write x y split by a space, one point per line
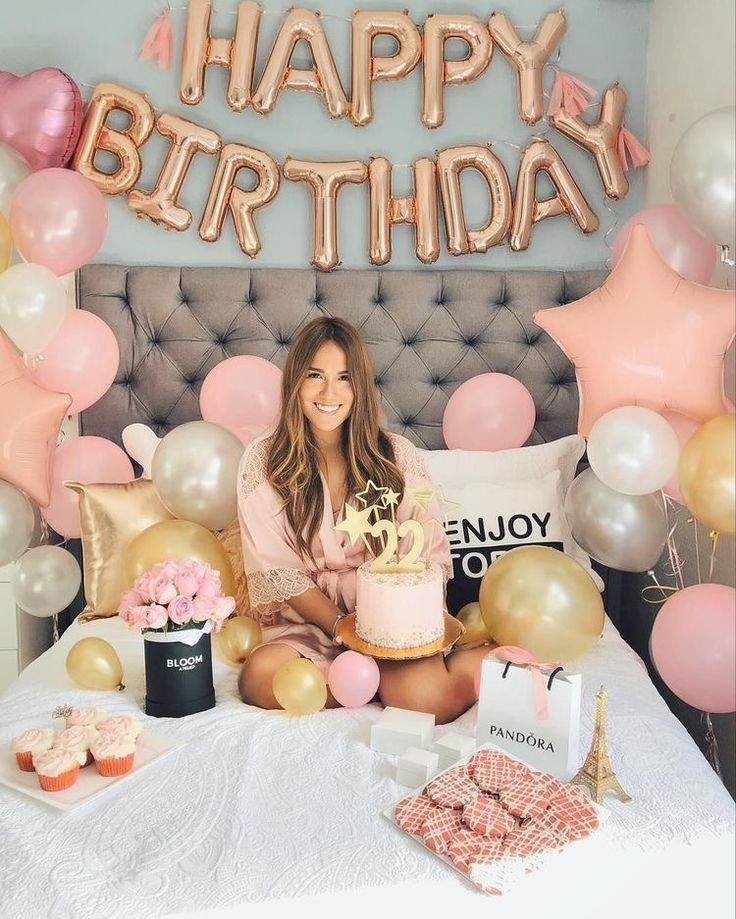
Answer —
428 331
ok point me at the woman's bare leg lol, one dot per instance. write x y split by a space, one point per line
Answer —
256 675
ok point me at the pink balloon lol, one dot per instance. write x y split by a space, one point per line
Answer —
242 394
684 427
685 250
82 360
693 646
645 337
87 460
492 411
353 679
40 115
57 219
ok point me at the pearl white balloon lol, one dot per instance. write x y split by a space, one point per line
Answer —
195 471
13 169
703 175
633 450
33 304
46 580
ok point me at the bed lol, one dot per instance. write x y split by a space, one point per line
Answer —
263 814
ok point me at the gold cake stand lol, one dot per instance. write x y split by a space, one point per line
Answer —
347 635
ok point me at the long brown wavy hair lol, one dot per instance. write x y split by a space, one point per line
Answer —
293 458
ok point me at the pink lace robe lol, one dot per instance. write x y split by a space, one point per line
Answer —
276 572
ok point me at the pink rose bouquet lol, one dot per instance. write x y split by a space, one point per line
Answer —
176 595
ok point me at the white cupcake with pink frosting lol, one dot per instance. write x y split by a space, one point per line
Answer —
57 769
85 716
113 753
77 739
34 741
121 726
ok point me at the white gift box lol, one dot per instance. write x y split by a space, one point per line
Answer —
397 729
416 767
453 747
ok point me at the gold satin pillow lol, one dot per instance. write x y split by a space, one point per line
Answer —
110 516
232 543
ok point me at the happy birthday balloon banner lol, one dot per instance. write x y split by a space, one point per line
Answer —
512 216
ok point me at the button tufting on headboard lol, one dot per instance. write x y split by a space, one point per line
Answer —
427 332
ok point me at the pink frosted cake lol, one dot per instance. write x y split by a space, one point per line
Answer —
400 610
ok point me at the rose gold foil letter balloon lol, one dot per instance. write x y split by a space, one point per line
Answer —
325 180
160 205
96 135
541 155
419 209
529 57
225 194
600 138
450 163
367 69
439 72
238 54
323 78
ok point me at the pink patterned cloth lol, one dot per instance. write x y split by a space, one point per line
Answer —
276 572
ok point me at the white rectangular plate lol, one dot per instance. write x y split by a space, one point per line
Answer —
151 747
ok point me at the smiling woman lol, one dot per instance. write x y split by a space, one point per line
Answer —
295 484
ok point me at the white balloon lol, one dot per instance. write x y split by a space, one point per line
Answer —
46 580
141 442
13 169
33 303
633 450
703 175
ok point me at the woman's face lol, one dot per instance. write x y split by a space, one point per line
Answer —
326 395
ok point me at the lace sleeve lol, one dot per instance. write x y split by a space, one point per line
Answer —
408 460
252 471
270 590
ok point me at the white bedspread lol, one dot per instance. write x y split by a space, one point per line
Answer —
259 808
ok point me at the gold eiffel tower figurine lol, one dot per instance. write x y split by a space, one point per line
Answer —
596 773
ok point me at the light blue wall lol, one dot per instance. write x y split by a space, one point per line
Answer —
95 40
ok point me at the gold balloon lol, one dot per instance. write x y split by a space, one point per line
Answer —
540 599
299 687
176 540
475 628
6 244
237 638
707 474
94 664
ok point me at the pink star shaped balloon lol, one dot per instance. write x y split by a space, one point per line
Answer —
30 418
646 337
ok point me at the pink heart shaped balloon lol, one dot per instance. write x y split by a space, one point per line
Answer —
40 115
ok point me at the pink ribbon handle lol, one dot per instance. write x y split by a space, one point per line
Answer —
510 654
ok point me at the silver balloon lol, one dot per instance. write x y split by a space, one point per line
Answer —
46 580
627 532
194 472
13 169
703 175
17 522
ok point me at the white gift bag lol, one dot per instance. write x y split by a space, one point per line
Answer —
509 715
